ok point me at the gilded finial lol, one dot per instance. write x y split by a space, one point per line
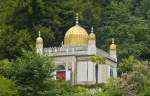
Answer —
92 35
62 43
113 46
92 29
39 34
77 18
113 41
39 39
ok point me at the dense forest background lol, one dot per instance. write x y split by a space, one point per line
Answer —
25 73
128 21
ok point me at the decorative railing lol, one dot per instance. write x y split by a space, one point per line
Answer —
58 51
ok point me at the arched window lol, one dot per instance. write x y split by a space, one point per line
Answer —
61 67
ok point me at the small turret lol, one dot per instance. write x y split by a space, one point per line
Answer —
92 35
92 43
39 44
113 52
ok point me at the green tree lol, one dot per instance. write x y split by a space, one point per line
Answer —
126 65
125 20
135 82
98 59
53 18
112 88
118 21
30 72
5 68
7 87
65 88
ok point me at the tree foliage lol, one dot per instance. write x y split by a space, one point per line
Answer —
7 87
127 64
98 59
30 72
124 20
134 82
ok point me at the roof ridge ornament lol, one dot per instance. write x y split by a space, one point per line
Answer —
62 44
92 29
113 40
39 34
77 18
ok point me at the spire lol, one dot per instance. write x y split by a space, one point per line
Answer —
39 34
62 44
77 18
113 45
92 29
39 44
39 39
113 41
113 50
92 35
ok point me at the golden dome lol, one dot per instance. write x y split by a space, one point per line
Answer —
92 35
76 35
39 39
113 46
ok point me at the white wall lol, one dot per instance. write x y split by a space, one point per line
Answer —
103 73
91 71
81 71
92 47
85 72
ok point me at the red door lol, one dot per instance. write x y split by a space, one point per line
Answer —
61 75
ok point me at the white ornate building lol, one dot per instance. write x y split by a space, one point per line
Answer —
74 57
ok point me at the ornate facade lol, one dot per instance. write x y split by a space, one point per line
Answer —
74 57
